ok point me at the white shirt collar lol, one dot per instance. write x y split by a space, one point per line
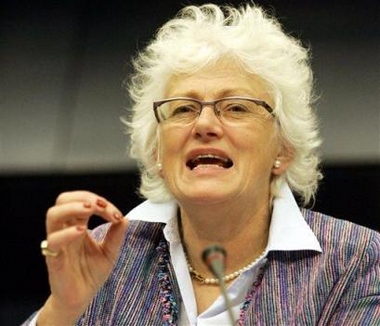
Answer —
288 229
149 211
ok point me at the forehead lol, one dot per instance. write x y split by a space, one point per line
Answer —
220 79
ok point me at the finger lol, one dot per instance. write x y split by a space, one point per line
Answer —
78 212
69 214
98 203
77 195
114 238
68 236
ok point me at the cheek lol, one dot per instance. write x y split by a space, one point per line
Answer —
173 142
252 141
260 148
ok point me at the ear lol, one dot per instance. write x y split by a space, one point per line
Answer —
282 161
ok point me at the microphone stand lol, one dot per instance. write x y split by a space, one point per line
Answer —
214 257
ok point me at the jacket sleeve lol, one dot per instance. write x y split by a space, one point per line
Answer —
359 303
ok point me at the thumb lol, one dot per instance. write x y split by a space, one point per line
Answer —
114 237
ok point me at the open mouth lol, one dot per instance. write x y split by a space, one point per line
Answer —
209 159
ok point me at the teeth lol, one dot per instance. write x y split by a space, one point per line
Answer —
206 156
209 159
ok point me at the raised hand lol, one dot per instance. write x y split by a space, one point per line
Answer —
77 264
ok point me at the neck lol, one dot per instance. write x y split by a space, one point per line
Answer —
243 234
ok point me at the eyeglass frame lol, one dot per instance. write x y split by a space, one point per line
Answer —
213 103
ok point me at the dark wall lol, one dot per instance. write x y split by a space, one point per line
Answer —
24 202
347 192
62 65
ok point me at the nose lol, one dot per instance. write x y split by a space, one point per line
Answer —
208 125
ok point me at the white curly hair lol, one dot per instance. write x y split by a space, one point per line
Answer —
201 35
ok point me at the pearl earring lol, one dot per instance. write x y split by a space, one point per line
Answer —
277 164
159 166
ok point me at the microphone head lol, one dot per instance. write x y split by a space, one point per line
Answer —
214 257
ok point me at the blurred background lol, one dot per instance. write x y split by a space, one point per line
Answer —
62 67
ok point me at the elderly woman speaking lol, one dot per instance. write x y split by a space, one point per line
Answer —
225 136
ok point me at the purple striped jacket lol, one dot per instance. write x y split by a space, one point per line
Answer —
340 286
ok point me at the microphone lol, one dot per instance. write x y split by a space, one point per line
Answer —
214 257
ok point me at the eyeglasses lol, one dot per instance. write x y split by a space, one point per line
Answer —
230 110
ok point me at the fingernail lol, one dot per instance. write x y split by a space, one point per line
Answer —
87 204
101 203
81 228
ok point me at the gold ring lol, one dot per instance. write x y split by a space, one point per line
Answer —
46 251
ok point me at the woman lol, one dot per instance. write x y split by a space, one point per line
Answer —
224 132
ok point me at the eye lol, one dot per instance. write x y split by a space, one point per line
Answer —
235 108
182 109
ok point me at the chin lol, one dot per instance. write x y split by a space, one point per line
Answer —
205 196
